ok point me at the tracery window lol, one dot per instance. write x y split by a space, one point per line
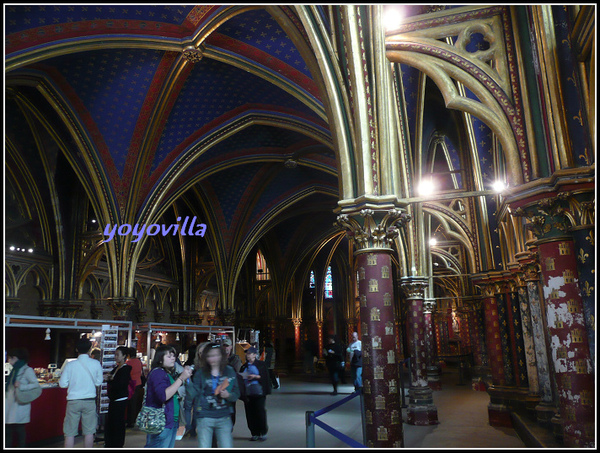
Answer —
328 284
262 270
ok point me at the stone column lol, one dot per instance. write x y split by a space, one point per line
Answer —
585 251
568 339
421 410
480 369
372 233
320 335
517 337
546 408
433 369
498 412
297 339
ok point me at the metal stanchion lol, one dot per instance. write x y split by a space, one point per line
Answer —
310 430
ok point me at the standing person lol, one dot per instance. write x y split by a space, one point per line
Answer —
257 388
161 391
354 357
118 393
188 409
17 415
135 402
213 393
333 359
270 363
81 377
234 362
232 358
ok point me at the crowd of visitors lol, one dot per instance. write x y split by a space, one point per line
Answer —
197 397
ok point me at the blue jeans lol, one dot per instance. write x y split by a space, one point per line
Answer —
222 427
166 439
356 376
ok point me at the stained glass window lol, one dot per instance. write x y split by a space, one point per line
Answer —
328 284
311 282
262 271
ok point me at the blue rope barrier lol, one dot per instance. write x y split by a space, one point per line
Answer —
337 404
334 432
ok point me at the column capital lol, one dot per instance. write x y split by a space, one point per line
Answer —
120 306
414 287
429 305
372 230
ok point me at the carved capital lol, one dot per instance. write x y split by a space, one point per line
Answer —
11 304
227 316
414 287
120 306
529 267
373 230
297 322
429 305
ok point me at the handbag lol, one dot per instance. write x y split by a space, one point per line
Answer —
254 390
26 396
151 420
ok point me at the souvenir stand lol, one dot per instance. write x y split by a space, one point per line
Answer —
51 344
171 333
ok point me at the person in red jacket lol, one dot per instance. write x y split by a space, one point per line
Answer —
135 402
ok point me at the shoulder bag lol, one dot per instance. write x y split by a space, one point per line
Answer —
26 396
151 420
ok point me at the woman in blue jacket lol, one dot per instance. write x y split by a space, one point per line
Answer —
257 387
214 393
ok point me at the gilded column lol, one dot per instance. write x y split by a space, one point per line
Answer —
565 319
568 340
480 369
526 328
498 412
297 340
583 236
546 408
373 232
421 410
433 370
320 337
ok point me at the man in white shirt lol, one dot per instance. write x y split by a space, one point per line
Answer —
81 377
354 353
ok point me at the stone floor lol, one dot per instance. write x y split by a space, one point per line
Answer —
462 413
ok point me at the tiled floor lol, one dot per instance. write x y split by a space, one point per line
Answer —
462 413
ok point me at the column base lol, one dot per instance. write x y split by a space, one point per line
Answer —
433 378
557 427
544 413
422 415
499 416
421 410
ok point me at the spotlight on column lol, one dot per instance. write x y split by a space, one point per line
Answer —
433 242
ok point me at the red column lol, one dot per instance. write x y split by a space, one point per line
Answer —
380 368
421 410
568 340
